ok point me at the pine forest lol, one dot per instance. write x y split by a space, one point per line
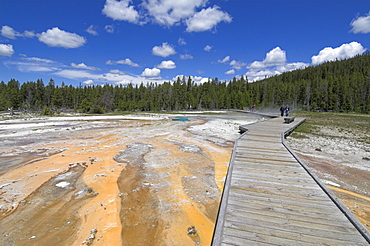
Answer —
339 86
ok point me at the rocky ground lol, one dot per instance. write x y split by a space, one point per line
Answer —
113 180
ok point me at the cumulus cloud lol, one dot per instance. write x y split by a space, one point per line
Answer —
257 65
254 75
275 63
6 50
151 73
237 64
126 61
207 48
9 32
170 12
342 52
275 57
58 38
91 30
192 13
261 72
53 37
167 65
226 59
83 66
199 79
164 50
231 71
291 66
361 24
186 57
121 10
207 19
88 82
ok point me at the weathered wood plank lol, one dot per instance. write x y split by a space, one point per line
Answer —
273 200
279 234
285 212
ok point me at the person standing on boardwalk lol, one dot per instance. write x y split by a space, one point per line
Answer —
282 109
287 110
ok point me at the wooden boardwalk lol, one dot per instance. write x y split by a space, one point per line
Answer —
271 198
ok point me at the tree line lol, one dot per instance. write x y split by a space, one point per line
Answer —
341 86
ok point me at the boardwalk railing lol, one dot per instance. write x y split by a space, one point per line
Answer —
270 197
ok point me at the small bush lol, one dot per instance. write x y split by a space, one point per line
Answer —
97 110
47 111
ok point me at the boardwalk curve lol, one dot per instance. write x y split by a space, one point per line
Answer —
271 198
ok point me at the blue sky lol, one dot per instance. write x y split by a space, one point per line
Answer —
118 42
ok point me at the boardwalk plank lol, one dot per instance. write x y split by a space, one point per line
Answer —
279 234
270 198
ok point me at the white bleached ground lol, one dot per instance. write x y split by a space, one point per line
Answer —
340 148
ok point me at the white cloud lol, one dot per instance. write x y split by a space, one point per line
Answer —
76 74
167 13
120 10
87 76
109 28
186 57
112 77
208 48
9 32
199 79
164 50
232 71
226 59
126 61
151 73
83 66
39 60
237 64
196 79
34 64
88 82
257 65
275 57
206 19
58 38
28 34
116 71
273 64
257 73
342 52
167 65
6 50
170 12
254 75
361 24
181 41
291 66
91 30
